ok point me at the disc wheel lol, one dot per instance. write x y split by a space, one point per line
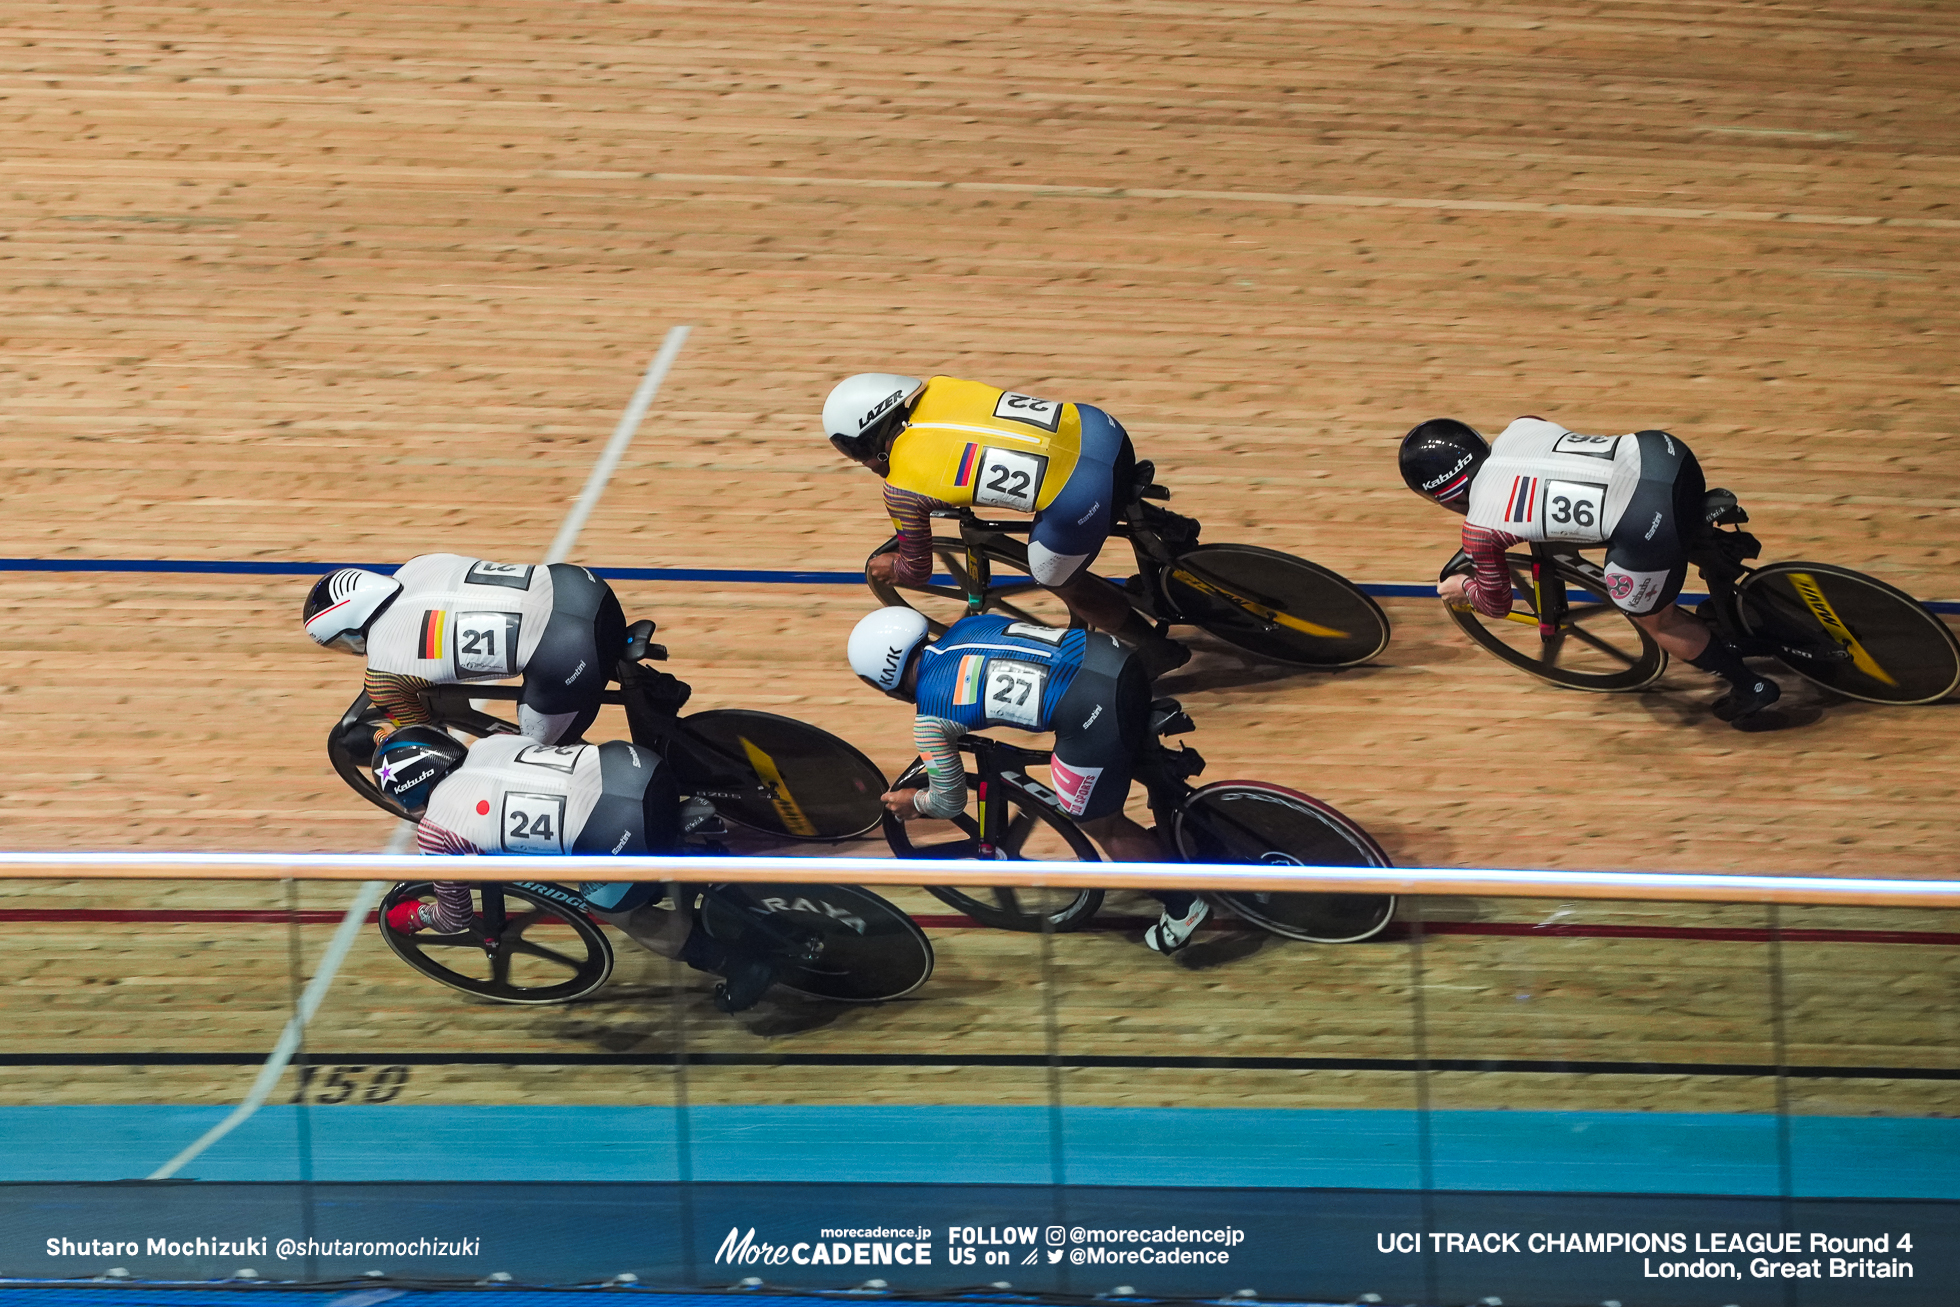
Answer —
546 952
818 786
1252 822
1033 834
1275 605
1595 646
1016 595
1872 641
851 945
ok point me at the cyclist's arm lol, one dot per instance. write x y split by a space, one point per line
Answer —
400 700
1489 588
938 741
453 908
911 514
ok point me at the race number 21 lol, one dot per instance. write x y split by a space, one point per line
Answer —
487 642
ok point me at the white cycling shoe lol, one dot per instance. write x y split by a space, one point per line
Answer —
1170 934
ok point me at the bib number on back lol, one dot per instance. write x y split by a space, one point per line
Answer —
558 757
1014 692
1029 631
516 576
1043 413
1573 510
1591 446
534 823
1009 479
487 642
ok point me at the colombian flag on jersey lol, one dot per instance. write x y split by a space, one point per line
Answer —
964 477
966 683
433 622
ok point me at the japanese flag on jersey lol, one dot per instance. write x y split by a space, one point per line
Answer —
1542 482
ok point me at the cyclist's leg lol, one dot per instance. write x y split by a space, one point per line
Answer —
1647 562
1068 535
576 656
451 911
1101 729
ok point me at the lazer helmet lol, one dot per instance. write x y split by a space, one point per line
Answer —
1440 458
411 762
882 644
343 603
863 411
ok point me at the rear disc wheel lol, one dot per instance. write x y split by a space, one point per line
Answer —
817 786
867 951
1275 605
1252 822
1876 642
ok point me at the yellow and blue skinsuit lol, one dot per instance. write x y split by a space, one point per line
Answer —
970 444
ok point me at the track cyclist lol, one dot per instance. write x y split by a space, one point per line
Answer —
987 672
1640 495
443 619
509 794
946 443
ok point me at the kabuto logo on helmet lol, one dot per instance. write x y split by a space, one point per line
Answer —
1461 463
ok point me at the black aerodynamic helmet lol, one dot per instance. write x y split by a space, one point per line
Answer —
1440 457
411 762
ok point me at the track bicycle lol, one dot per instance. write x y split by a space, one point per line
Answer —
1279 607
534 942
1019 818
1850 633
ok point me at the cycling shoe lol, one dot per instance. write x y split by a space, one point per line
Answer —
1742 702
748 979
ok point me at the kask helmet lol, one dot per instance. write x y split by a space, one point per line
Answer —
343 603
882 644
411 762
1440 458
862 411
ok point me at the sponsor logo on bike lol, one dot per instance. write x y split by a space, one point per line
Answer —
1274 858
819 908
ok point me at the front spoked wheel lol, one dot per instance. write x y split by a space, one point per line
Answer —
543 951
1252 822
1592 646
846 944
1033 834
1275 605
1016 594
1850 633
812 785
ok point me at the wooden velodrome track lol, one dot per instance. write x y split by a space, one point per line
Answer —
292 283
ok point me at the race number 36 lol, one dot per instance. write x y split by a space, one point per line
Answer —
1014 692
1573 510
534 823
1009 479
487 642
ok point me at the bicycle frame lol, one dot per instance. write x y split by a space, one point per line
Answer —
999 766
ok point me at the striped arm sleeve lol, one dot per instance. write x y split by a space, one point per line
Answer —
938 743
399 699
911 514
1489 588
431 838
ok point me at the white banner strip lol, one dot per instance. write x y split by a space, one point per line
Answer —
1438 881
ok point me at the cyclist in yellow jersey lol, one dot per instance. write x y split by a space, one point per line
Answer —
948 443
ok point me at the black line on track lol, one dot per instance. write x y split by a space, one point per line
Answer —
1086 1062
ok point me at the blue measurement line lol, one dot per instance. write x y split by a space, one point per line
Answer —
724 575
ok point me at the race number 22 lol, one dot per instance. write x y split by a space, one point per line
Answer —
1009 479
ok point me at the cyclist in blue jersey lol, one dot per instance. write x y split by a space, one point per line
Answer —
987 672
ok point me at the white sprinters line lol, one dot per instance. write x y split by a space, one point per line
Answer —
369 894
622 436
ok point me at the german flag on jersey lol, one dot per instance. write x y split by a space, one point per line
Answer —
434 622
966 684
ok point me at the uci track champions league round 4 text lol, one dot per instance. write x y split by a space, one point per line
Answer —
1678 1255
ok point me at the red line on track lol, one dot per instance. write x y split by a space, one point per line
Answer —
954 921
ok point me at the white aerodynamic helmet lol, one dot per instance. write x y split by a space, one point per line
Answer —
861 409
882 643
342 604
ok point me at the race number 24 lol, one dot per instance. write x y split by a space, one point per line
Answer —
534 823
